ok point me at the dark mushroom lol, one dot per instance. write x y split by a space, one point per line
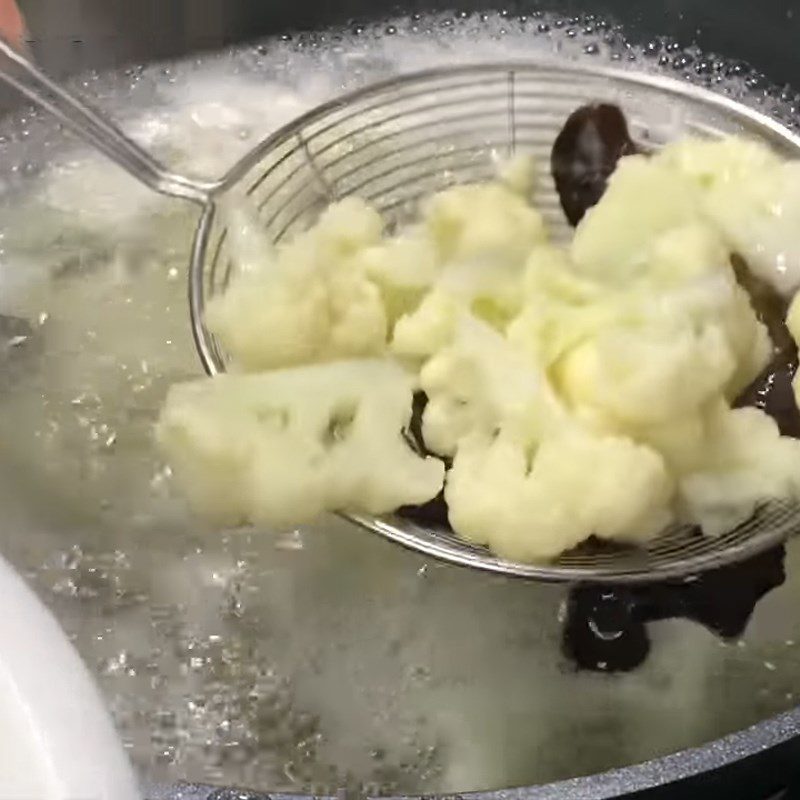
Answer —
434 512
585 153
772 389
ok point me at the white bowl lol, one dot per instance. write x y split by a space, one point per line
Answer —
57 741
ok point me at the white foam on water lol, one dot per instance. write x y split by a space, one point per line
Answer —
299 660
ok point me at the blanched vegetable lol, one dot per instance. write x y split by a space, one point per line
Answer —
489 223
743 462
304 302
282 447
479 383
532 504
751 196
482 235
644 200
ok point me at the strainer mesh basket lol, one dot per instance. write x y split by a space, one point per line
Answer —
396 143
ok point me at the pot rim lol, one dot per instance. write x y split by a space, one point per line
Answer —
771 737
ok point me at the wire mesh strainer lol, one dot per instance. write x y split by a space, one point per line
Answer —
396 142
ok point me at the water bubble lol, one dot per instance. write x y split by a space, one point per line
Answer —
652 48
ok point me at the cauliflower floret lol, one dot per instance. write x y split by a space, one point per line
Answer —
691 276
518 174
429 328
793 319
282 447
744 462
684 254
482 235
306 301
725 463
760 218
644 199
752 197
486 222
466 288
347 226
681 440
711 162
406 261
480 383
682 332
403 267
649 375
531 507
561 308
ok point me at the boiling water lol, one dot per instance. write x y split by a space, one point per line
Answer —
314 658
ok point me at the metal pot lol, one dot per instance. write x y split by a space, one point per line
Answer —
704 710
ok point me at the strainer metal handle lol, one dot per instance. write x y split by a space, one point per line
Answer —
96 130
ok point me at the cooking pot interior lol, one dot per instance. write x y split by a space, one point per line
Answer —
310 659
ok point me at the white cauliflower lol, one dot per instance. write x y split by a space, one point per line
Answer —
793 319
753 198
282 447
306 301
487 222
561 308
676 334
481 382
532 504
403 267
658 347
405 261
644 200
482 234
710 162
742 462
647 375
464 289
428 328
518 174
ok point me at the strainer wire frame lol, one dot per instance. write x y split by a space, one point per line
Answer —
615 565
